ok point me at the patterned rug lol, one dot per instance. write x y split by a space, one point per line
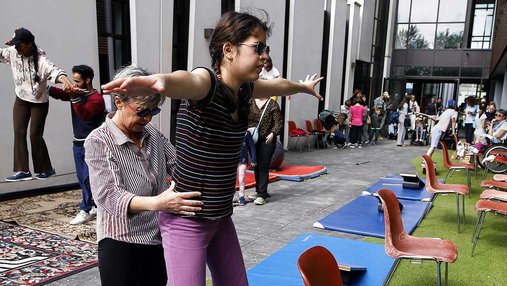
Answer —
50 213
32 257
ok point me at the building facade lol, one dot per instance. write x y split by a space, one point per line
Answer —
426 47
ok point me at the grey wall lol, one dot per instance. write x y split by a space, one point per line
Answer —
367 20
68 34
203 14
151 45
304 56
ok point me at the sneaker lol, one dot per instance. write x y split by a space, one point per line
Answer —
252 197
93 211
352 146
242 201
359 146
19 176
259 201
45 175
81 217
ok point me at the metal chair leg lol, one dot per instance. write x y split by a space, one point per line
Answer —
463 208
447 175
480 223
439 279
457 209
446 272
469 183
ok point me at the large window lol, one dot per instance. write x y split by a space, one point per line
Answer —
482 24
430 24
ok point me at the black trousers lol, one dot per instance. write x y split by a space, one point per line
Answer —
469 132
129 264
264 153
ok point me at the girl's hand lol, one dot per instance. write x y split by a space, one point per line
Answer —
146 85
310 82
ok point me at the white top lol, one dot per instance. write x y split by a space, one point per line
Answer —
470 112
496 130
413 106
445 118
273 73
23 73
479 130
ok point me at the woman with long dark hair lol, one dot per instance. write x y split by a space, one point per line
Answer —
31 70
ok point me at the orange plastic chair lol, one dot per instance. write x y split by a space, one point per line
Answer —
292 134
400 245
483 207
318 267
434 187
453 166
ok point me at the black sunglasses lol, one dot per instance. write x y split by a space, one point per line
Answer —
499 114
260 47
146 111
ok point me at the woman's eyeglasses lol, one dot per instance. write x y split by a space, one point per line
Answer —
260 47
146 111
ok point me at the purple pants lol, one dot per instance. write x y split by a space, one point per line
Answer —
190 244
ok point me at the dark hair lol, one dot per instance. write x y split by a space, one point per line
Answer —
85 71
35 55
471 100
234 27
405 99
359 100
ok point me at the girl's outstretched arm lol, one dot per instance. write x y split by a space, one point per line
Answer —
178 85
283 87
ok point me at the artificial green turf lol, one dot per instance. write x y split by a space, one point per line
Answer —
488 266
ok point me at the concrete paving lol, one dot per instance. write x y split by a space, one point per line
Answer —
295 206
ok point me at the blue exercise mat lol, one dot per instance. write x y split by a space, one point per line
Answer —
395 184
361 216
280 269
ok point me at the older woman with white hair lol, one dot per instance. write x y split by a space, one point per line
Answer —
129 162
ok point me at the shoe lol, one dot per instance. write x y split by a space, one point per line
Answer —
19 176
352 146
359 146
252 197
242 201
93 211
81 217
259 201
45 175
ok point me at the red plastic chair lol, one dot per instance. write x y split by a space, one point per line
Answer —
483 207
319 135
434 187
400 245
453 166
318 267
292 134
494 184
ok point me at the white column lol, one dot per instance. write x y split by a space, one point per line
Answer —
336 54
352 46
